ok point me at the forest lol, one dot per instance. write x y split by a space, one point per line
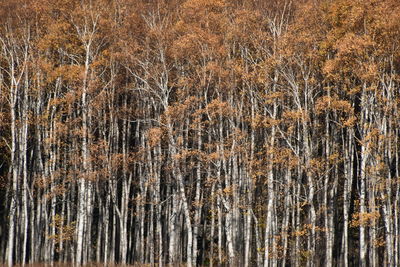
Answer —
200 132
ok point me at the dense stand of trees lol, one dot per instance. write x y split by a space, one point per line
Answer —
203 132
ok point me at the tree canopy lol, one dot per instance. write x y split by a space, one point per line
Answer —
200 132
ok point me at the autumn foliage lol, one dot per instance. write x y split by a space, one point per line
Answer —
200 132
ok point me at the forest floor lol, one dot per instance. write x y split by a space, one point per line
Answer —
55 264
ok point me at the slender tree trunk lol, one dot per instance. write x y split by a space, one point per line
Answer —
363 183
14 166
